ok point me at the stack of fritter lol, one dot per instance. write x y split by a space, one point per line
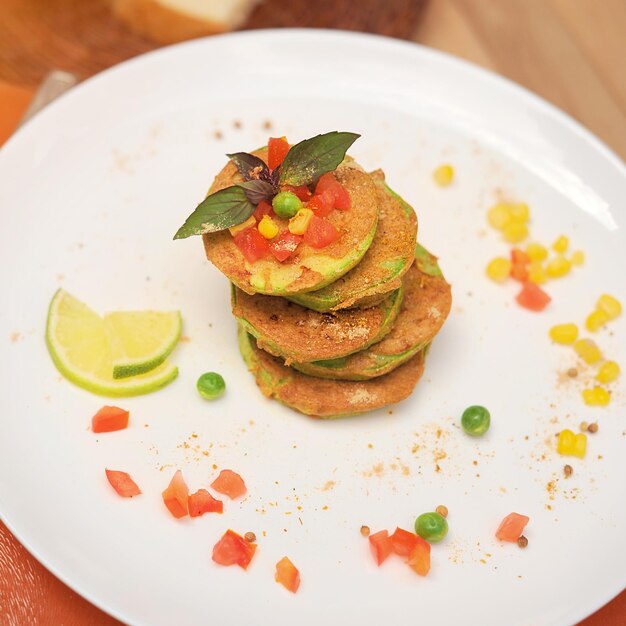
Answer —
344 329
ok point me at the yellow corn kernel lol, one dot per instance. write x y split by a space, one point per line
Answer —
499 215
299 223
570 444
536 252
564 333
578 257
560 245
498 269
268 227
514 232
608 372
444 175
537 273
598 396
558 266
520 212
596 320
243 226
609 305
588 351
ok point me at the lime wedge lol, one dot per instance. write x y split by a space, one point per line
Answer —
80 346
141 340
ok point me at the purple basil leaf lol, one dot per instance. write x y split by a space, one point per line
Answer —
258 190
250 167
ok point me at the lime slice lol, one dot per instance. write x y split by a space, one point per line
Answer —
80 347
141 340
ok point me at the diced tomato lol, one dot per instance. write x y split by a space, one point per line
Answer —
108 419
233 549
403 541
252 244
263 208
285 245
419 559
533 297
303 192
341 197
519 257
320 233
230 484
122 483
511 527
277 149
203 502
321 203
380 545
519 272
176 496
287 575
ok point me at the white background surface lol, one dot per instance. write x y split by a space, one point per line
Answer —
91 193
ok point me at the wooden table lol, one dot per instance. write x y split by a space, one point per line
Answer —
571 52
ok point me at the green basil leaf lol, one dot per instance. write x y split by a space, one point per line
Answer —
250 167
218 211
308 160
258 190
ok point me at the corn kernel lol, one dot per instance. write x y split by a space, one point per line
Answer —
536 252
499 215
243 226
564 333
570 444
588 351
537 273
596 320
561 244
520 212
444 175
558 266
268 227
299 223
498 269
609 305
578 257
514 232
608 372
598 396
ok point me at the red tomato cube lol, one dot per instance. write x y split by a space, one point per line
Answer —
321 203
176 496
285 245
287 575
122 483
203 502
419 559
320 233
340 195
108 419
230 484
532 297
277 149
263 208
511 527
233 549
252 244
403 541
380 545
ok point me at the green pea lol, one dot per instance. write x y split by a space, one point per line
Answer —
431 526
211 386
286 204
475 420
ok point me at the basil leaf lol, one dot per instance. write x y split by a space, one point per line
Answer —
250 167
308 160
218 211
257 190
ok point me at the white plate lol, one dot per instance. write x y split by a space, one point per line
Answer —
93 190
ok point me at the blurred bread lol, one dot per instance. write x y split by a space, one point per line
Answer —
169 21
